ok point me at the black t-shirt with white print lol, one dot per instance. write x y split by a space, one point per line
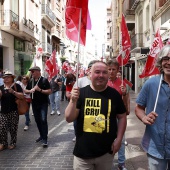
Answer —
97 124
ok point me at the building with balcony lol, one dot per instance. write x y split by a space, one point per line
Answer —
19 34
143 19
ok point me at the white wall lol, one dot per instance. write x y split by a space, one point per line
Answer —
7 41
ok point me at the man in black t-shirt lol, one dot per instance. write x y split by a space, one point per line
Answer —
39 88
96 108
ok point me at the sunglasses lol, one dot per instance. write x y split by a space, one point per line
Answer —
24 78
32 71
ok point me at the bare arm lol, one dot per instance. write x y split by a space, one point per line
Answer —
127 104
146 119
122 121
36 88
19 95
71 113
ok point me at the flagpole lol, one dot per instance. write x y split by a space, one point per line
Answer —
79 29
122 67
157 94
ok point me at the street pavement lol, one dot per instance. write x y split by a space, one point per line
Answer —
29 155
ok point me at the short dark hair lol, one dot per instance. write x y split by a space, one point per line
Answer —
113 62
91 63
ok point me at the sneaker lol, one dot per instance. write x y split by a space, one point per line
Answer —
58 112
12 146
25 128
74 139
52 112
121 167
38 140
45 143
126 143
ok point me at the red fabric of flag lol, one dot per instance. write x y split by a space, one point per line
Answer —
128 82
72 14
51 67
150 65
124 54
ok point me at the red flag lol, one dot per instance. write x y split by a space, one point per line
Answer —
168 42
128 82
72 19
124 54
88 21
51 67
150 68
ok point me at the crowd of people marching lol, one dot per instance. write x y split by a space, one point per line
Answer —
98 104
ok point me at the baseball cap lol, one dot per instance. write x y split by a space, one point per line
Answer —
35 68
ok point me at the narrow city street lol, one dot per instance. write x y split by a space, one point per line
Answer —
29 155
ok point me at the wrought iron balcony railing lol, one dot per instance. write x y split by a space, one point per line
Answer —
9 18
133 4
47 11
47 48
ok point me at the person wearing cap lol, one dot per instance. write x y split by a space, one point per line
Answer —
39 88
156 118
9 117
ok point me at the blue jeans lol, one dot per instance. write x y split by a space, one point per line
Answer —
55 101
27 116
158 164
121 152
40 115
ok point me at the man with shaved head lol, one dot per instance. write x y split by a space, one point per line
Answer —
96 108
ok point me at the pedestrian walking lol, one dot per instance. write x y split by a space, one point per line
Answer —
1 79
98 134
115 82
25 80
54 97
63 87
154 112
70 80
9 117
39 88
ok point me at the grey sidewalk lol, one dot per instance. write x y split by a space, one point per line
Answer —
29 155
136 159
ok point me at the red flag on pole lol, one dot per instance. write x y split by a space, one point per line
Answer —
150 68
51 67
72 12
125 44
128 82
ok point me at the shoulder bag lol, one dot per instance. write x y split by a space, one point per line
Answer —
22 105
